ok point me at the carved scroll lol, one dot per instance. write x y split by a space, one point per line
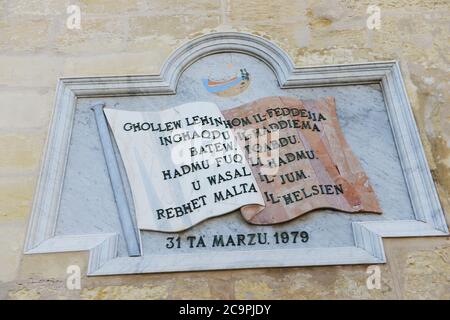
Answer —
313 164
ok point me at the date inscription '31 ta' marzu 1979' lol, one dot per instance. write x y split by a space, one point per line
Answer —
238 240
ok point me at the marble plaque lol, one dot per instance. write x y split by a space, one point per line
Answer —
365 165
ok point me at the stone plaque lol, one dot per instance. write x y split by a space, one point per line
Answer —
345 167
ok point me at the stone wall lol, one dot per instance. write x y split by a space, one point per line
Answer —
134 37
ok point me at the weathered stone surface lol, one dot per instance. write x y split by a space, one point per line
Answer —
15 197
421 269
95 35
106 7
50 288
253 289
36 7
125 292
25 294
221 288
177 26
12 233
21 151
427 274
174 7
113 64
313 283
25 109
16 34
52 266
35 71
195 287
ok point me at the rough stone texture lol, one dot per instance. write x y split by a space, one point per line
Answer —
125 292
21 150
24 110
425 267
15 196
12 234
134 37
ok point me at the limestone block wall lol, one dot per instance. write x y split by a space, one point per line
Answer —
134 37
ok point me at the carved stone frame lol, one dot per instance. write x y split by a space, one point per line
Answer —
429 216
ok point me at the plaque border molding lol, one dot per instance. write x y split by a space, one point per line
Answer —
102 248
